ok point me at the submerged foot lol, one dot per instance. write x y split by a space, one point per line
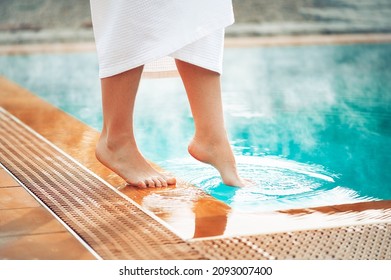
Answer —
126 161
219 155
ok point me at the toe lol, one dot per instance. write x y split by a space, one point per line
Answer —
171 181
249 183
141 184
150 183
157 182
162 182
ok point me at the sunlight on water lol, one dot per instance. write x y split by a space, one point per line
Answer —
279 183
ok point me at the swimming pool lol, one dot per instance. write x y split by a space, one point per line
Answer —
309 124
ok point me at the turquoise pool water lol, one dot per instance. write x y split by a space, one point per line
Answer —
310 124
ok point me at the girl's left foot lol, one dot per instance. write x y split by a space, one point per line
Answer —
218 154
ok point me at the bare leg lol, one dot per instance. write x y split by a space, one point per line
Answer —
210 143
117 148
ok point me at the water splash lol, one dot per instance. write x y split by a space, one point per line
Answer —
279 183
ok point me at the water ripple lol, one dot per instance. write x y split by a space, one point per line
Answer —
279 183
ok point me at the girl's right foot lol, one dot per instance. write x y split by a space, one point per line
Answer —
124 158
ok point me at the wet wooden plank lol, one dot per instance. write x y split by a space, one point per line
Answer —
52 246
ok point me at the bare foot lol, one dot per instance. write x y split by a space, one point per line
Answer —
126 160
220 156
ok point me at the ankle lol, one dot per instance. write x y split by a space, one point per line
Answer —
113 142
211 139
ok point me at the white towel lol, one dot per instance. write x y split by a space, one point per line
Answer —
130 33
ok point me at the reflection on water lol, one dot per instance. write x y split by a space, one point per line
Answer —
310 125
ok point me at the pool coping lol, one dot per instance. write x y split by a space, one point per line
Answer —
230 42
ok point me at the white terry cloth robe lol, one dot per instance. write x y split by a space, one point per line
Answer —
131 33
